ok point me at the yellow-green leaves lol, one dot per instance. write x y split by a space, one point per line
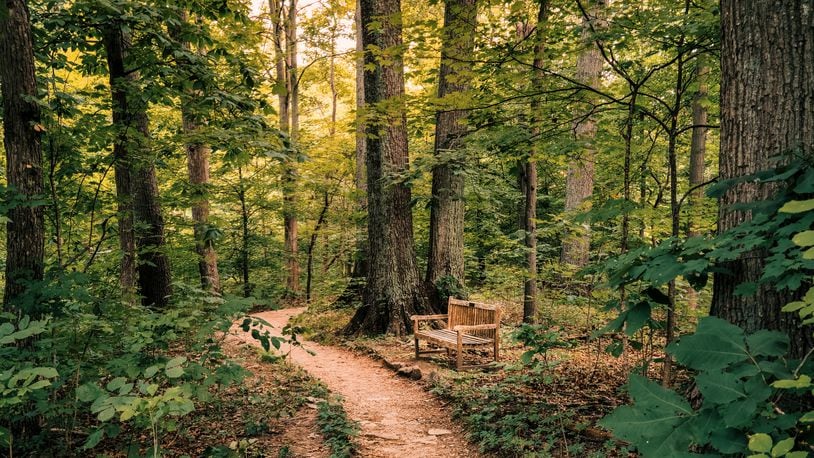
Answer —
798 206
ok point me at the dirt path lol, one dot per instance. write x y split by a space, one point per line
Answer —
396 416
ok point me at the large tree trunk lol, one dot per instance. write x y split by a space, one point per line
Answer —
198 168
698 145
245 235
698 149
25 229
131 153
394 290
767 86
290 178
284 24
579 182
355 289
445 261
529 174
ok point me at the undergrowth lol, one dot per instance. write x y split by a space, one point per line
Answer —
510 415
337 429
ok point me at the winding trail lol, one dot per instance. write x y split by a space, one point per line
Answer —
396 416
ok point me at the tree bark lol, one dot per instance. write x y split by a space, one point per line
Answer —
198 168
355 289
326 202
698 149
289 123
579 182
530 174
767 87
445 261
136 183
394 290
25 229
244 234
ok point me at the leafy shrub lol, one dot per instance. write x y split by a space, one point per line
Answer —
741 380
337 429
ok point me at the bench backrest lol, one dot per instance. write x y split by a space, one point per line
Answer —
473 313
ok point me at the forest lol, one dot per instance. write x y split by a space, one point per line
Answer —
236 228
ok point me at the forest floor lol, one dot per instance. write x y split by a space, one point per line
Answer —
396 417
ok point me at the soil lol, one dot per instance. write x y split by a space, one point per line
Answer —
397 417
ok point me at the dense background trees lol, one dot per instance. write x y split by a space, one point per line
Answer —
538 152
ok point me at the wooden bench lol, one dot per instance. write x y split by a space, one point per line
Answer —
470 325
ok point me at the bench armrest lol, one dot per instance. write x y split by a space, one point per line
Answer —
477 327
428 317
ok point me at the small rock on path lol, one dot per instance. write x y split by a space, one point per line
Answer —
397 417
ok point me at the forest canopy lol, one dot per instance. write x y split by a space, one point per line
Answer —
642 167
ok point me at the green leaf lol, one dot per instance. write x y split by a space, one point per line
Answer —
760 442
637 317
746 289
728 440
783 447
106 414
768 343
177 361
804 381
151 371
715 345
739 413
797 206
94 438
116 383
175 372
650 395
793 306
805 238
799 454
6 329
808 417
719 387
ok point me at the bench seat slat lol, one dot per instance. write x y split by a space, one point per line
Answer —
449 336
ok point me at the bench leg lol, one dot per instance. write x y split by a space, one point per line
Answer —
459 364
416 348
497 350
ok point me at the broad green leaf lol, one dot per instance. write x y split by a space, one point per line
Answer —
804 381
650 395
639 425
807 417
706 352
783 447
637 317
94 438
87 392
768 343
106 414
6 329
116 383
760 442
739 413
804 239
793 306
797 206
151 371
177 361
719 387
175 372
728 440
